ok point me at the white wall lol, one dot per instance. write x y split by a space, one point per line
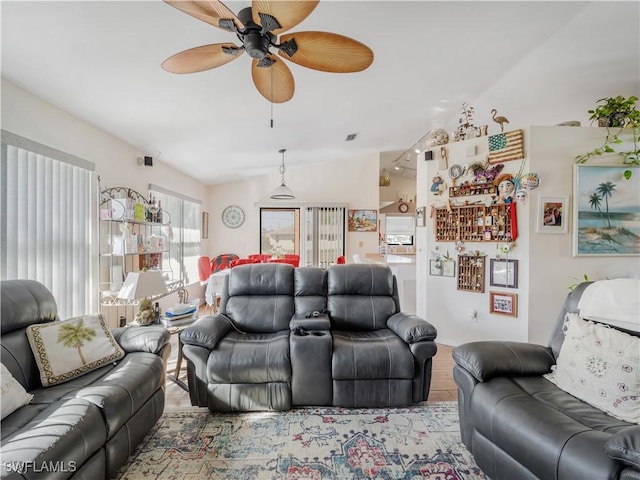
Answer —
546 265
116 161
354 182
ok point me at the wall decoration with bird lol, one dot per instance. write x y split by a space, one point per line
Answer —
500 119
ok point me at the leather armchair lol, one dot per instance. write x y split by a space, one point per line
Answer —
265 350
519 425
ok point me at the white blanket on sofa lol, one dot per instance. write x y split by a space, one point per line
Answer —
615 302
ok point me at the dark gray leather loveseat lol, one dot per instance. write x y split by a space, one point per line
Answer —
87 427
267 350
518 425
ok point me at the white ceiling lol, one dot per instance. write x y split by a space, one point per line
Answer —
101 62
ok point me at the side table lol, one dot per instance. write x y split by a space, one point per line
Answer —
175 377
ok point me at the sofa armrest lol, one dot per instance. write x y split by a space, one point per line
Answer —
149 339
624 447
411 328
319 322
488 359
207 331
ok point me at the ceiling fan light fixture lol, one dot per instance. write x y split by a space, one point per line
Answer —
282 192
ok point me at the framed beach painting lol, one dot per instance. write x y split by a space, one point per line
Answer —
363 220
606 211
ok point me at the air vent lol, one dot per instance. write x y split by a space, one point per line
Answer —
351 136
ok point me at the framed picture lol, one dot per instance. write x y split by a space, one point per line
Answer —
553 213
442 268
205 225
503 273
606 211
503 303
420 213
435 267
363 220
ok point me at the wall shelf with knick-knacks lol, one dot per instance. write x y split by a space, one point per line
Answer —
474 223
473 189
471 273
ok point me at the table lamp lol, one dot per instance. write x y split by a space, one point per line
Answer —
143 285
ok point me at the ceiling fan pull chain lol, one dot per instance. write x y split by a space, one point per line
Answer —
271 101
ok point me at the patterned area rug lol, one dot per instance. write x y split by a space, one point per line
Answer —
419 442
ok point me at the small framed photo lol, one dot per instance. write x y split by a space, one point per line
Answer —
503 273
442 268
205 225
420 213
553 213
435 267
503 303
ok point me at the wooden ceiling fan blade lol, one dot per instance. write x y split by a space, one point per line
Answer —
202 58
212 12
274 82
327 52
288 13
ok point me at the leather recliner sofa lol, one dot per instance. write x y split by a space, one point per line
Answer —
519 425
87 427
289 336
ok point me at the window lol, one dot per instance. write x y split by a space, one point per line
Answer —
280 231
183 215
315 233
46 202
399 230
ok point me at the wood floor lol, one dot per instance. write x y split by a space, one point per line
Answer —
443 387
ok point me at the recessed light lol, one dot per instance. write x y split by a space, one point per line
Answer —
351 136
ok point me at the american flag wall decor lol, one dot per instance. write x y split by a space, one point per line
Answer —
506 146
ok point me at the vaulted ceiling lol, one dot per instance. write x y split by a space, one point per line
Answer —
101 62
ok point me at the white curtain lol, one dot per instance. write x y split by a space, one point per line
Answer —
46 204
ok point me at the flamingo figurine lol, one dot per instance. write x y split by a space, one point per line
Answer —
501 120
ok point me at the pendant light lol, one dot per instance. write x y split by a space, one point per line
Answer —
282 192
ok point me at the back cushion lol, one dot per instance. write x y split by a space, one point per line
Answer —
260 297
360 296
23 303
310 289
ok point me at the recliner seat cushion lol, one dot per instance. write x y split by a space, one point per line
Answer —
379 354
250 358
518 412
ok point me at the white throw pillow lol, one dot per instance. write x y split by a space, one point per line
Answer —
70 348
12 394
601 366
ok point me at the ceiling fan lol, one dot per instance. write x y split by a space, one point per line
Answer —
259 29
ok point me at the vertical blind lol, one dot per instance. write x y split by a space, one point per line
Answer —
46 204
324 234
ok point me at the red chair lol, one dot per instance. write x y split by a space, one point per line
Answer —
222 261
243 261
290 261
340 260
260 257
204 268
294 258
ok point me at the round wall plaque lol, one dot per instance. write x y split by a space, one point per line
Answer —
233 216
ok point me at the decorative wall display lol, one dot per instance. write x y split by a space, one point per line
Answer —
503 303
553 214
471 273
606 215
504 147
503 273
420 216
363 220
476 223
442 268
205 225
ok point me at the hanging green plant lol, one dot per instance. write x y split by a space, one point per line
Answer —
616 114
